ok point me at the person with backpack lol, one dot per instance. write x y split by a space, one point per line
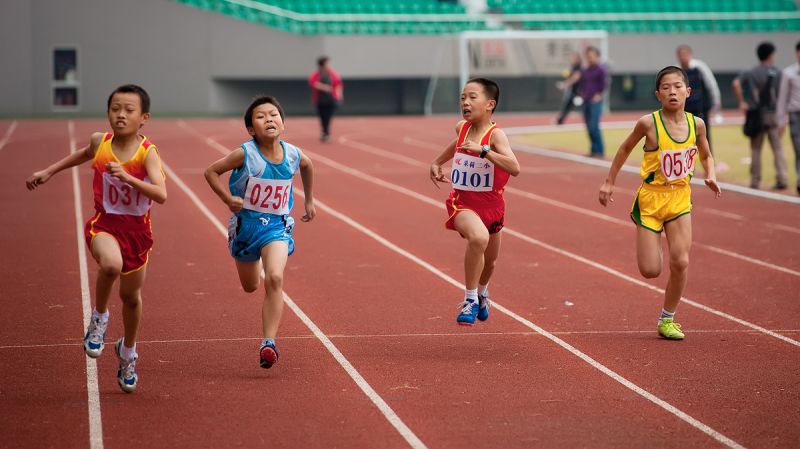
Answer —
757 92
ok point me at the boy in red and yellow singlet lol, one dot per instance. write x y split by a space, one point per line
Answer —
482 164
127 179
673 141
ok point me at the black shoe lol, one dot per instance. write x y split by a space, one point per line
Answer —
779 186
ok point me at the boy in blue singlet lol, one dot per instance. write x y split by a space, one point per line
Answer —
260 196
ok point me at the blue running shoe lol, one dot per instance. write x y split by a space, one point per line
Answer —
268 353
93 341
483 307
469 310
126 374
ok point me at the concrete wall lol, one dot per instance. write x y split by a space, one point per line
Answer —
197 62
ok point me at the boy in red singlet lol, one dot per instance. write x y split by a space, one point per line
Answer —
482 164
127 179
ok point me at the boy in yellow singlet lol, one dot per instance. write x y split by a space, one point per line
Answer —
673 140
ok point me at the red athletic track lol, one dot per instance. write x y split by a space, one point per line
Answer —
496 385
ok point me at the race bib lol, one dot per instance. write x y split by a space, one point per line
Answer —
471 173
269 196
123 199
677 164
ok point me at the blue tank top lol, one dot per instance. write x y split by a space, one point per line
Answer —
256 166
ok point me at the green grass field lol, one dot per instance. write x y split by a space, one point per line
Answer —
731 149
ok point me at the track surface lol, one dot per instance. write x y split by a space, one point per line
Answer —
575 362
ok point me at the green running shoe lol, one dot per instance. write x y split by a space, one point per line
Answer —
669 329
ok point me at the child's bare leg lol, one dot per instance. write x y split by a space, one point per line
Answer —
274 257
679 241
249 275
106 252
130 292
470 226
648 252
490 257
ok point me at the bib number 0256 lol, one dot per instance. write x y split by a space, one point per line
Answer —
270 196
471 173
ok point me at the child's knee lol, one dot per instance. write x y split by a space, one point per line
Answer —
479 240
679 264
249 287
111 268
650 271
131 299
273 281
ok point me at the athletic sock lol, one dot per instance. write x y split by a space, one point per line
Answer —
483 290
268 341
471 295
103 316
126 352
665 314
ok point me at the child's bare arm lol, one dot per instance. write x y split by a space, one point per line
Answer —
156 189
625 149
501 154
706 158
232 160
307 176
78 157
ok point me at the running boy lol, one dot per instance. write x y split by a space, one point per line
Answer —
260 196
663 201
127 179
482 164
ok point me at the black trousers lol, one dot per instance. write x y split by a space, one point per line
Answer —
325 112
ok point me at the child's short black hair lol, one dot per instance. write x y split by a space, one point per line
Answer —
765 50
144 98
258 101
491 89
797 47
322 60
669 70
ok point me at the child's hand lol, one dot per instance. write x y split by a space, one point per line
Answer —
235 204
311 211
712 184
470 147
37 179
437 175
606 192
116 170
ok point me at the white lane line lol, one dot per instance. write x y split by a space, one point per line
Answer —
599 266
783 228
406 335
566 206
722 213
594 363
365 387
8 133
92 388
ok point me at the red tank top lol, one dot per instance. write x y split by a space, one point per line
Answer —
488 198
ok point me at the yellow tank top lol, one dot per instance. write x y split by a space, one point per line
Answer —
672 163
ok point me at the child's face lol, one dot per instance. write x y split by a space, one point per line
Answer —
125 113
672 91
267 122
474 102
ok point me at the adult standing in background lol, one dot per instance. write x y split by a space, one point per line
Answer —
571 92
757 91
788 108
327 91
594 82
705 96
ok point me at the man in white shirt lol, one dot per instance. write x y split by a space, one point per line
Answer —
788 108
